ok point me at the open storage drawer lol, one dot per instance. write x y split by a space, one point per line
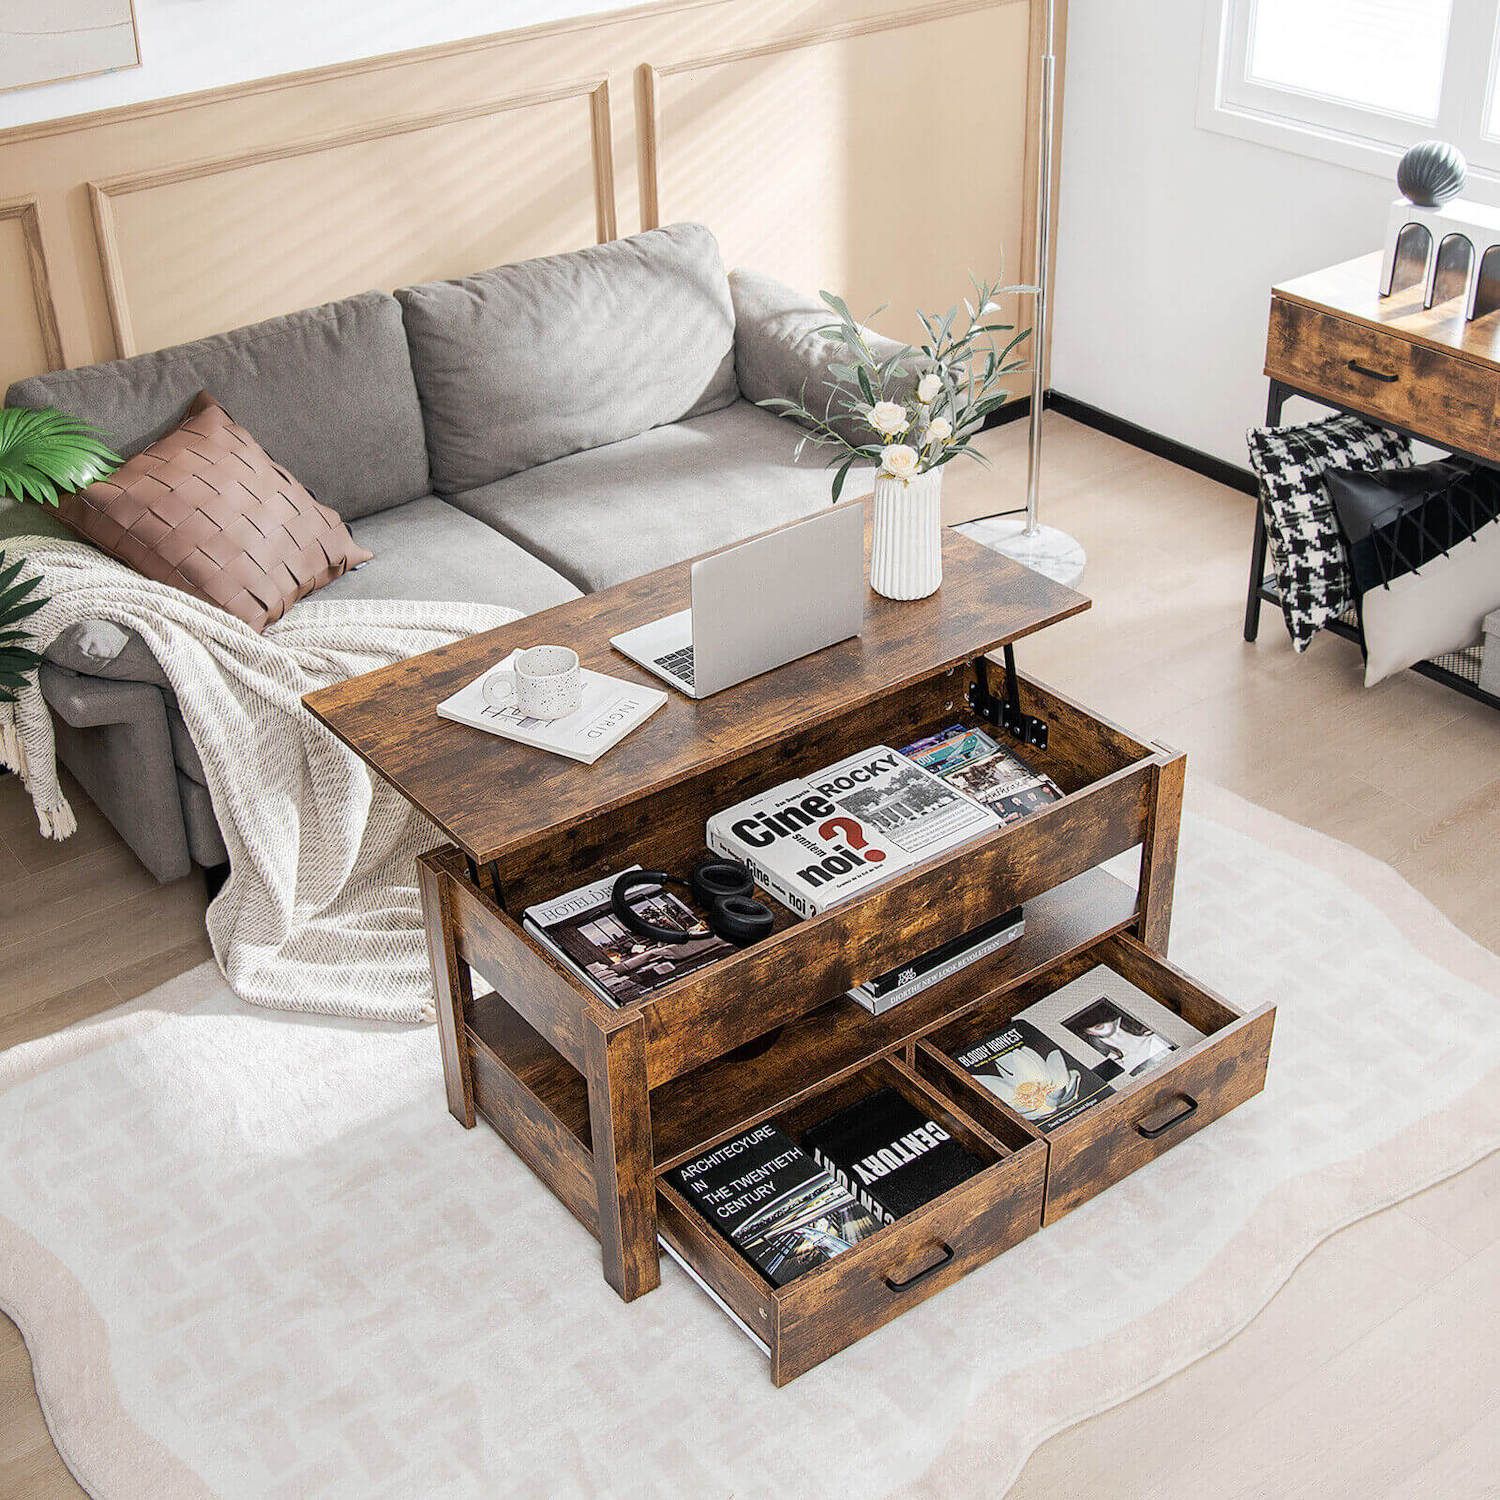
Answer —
1145 1118
826 1309
1120 793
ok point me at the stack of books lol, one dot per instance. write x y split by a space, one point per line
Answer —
788 1207
811 843
977 765
1071 1050
823 839
773 1203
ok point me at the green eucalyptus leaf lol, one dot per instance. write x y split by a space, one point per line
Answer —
840 477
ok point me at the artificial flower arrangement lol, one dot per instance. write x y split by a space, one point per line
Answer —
924 405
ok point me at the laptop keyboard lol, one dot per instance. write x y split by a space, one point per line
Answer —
679 664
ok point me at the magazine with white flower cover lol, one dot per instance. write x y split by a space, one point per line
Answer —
1027 1070
611 708
1072 1049
823 838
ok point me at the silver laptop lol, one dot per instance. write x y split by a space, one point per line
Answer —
760 605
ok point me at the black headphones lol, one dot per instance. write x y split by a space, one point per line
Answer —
726 890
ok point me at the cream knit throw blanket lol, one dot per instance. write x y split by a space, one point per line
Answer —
320 911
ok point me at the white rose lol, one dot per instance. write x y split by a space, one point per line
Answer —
929 388
939 430
888 418
899 461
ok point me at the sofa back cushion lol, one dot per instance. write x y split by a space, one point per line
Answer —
531 362
327 392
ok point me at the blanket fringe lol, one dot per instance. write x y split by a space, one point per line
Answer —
12 752
57 821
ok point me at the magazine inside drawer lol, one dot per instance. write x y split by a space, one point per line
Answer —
840 1299
1140 1115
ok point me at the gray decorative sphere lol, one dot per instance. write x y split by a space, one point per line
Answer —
1431 173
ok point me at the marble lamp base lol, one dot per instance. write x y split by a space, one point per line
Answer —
1047 551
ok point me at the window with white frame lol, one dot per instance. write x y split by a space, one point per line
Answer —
1358 80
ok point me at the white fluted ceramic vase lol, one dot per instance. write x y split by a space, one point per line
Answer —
906 548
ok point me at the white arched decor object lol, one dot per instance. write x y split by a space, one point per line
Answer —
1442 235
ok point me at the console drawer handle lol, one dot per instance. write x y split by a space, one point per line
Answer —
1151 1132
923 1274
1370 374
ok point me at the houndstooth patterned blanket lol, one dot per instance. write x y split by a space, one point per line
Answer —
320 911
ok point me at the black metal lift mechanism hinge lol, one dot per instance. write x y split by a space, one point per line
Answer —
1005 713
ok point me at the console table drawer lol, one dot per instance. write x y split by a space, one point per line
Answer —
1407 384
1148 1117
826 1309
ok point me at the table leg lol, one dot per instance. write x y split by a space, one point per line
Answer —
620 1124
1275 400
1159 854
453 986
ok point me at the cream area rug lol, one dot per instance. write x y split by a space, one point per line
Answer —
252 1255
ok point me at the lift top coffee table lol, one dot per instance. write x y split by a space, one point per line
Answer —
602 1102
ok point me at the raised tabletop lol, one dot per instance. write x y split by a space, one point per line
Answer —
494 798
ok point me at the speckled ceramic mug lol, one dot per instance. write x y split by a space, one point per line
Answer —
544 682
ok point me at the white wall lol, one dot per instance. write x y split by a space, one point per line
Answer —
1170 237
188 45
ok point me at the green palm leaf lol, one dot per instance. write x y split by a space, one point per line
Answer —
17 658
47 453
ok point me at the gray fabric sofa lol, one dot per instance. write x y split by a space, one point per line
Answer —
516 437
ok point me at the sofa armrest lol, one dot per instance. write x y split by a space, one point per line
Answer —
778 351
100 648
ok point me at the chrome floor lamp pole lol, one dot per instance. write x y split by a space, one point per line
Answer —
1043 548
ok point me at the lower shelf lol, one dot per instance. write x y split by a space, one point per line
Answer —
539 1103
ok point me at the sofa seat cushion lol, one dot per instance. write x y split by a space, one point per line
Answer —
427 549
527 363
423 550
613 513
328 393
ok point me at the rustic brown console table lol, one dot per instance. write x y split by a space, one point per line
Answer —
1424 371
600 1102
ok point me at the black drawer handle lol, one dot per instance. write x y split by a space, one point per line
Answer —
1370 374
923 1274
1151 1132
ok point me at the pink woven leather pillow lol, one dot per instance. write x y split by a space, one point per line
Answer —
207 510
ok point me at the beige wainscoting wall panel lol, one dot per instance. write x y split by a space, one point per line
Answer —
882 158
29 338
869 146
383 204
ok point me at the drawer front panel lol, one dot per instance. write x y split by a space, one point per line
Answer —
1390 378
1118 1138
908 1262
1107 1143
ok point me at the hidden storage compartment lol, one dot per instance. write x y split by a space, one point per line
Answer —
1109 780
841 1300
1149 1114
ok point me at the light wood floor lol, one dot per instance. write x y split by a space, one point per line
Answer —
1376 1371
